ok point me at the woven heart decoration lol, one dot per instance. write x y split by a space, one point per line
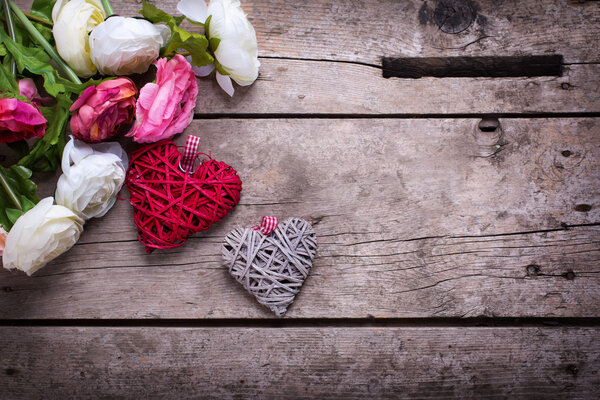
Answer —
171 201
271 262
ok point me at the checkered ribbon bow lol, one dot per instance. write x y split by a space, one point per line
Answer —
267 225
190 153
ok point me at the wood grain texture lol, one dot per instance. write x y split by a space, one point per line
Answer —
366 30
316 87
346 40
296 363
415 218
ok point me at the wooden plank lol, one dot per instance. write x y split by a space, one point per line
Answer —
294 363
324 85
316 87
415 218
366 30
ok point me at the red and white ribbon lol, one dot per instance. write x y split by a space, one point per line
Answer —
189 155
267 225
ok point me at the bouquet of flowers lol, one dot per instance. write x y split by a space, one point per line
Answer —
64 71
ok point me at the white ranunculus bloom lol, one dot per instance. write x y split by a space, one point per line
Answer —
92 177
125 46
73 20
40 235
237 52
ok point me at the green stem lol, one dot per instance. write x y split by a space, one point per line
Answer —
107 8
11 32
37 36
38 19
10 192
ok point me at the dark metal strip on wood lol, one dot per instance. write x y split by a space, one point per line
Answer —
474 67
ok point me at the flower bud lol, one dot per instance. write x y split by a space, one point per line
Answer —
3 234
73 20
101 111
165 108
237 52
92 177
40 235
125 46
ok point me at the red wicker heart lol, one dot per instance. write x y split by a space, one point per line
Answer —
169 204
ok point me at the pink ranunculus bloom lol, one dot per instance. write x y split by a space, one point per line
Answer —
3 234
101 111
20 120
27 89
165 108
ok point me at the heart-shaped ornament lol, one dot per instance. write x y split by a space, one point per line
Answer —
272 266
170 201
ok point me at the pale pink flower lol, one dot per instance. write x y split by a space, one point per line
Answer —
101 111
27 89
3 234
166 108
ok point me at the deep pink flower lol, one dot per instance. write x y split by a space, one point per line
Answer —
101 111
20 120
165 108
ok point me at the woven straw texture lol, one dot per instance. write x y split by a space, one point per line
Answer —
272 268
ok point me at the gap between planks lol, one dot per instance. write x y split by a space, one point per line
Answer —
523 115
371 322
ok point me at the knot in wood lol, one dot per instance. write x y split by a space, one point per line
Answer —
489 136
453 16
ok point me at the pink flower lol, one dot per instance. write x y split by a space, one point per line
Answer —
27 89
3 234
165 108
20 120
101 111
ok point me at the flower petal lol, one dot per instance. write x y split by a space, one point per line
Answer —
196 10
225 82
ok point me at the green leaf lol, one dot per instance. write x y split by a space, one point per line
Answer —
78 88
46 153
36 61
18 178
43 9
214 43
13 214
45 31
207 26
26 203
200 24
195 43
8 83
3 50
156 15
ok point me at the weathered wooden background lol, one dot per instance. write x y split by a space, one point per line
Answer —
452 262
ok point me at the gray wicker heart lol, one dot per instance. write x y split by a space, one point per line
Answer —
272 267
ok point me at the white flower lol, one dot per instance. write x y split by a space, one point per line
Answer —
92 177
40 235
73 20
125 46
237 52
